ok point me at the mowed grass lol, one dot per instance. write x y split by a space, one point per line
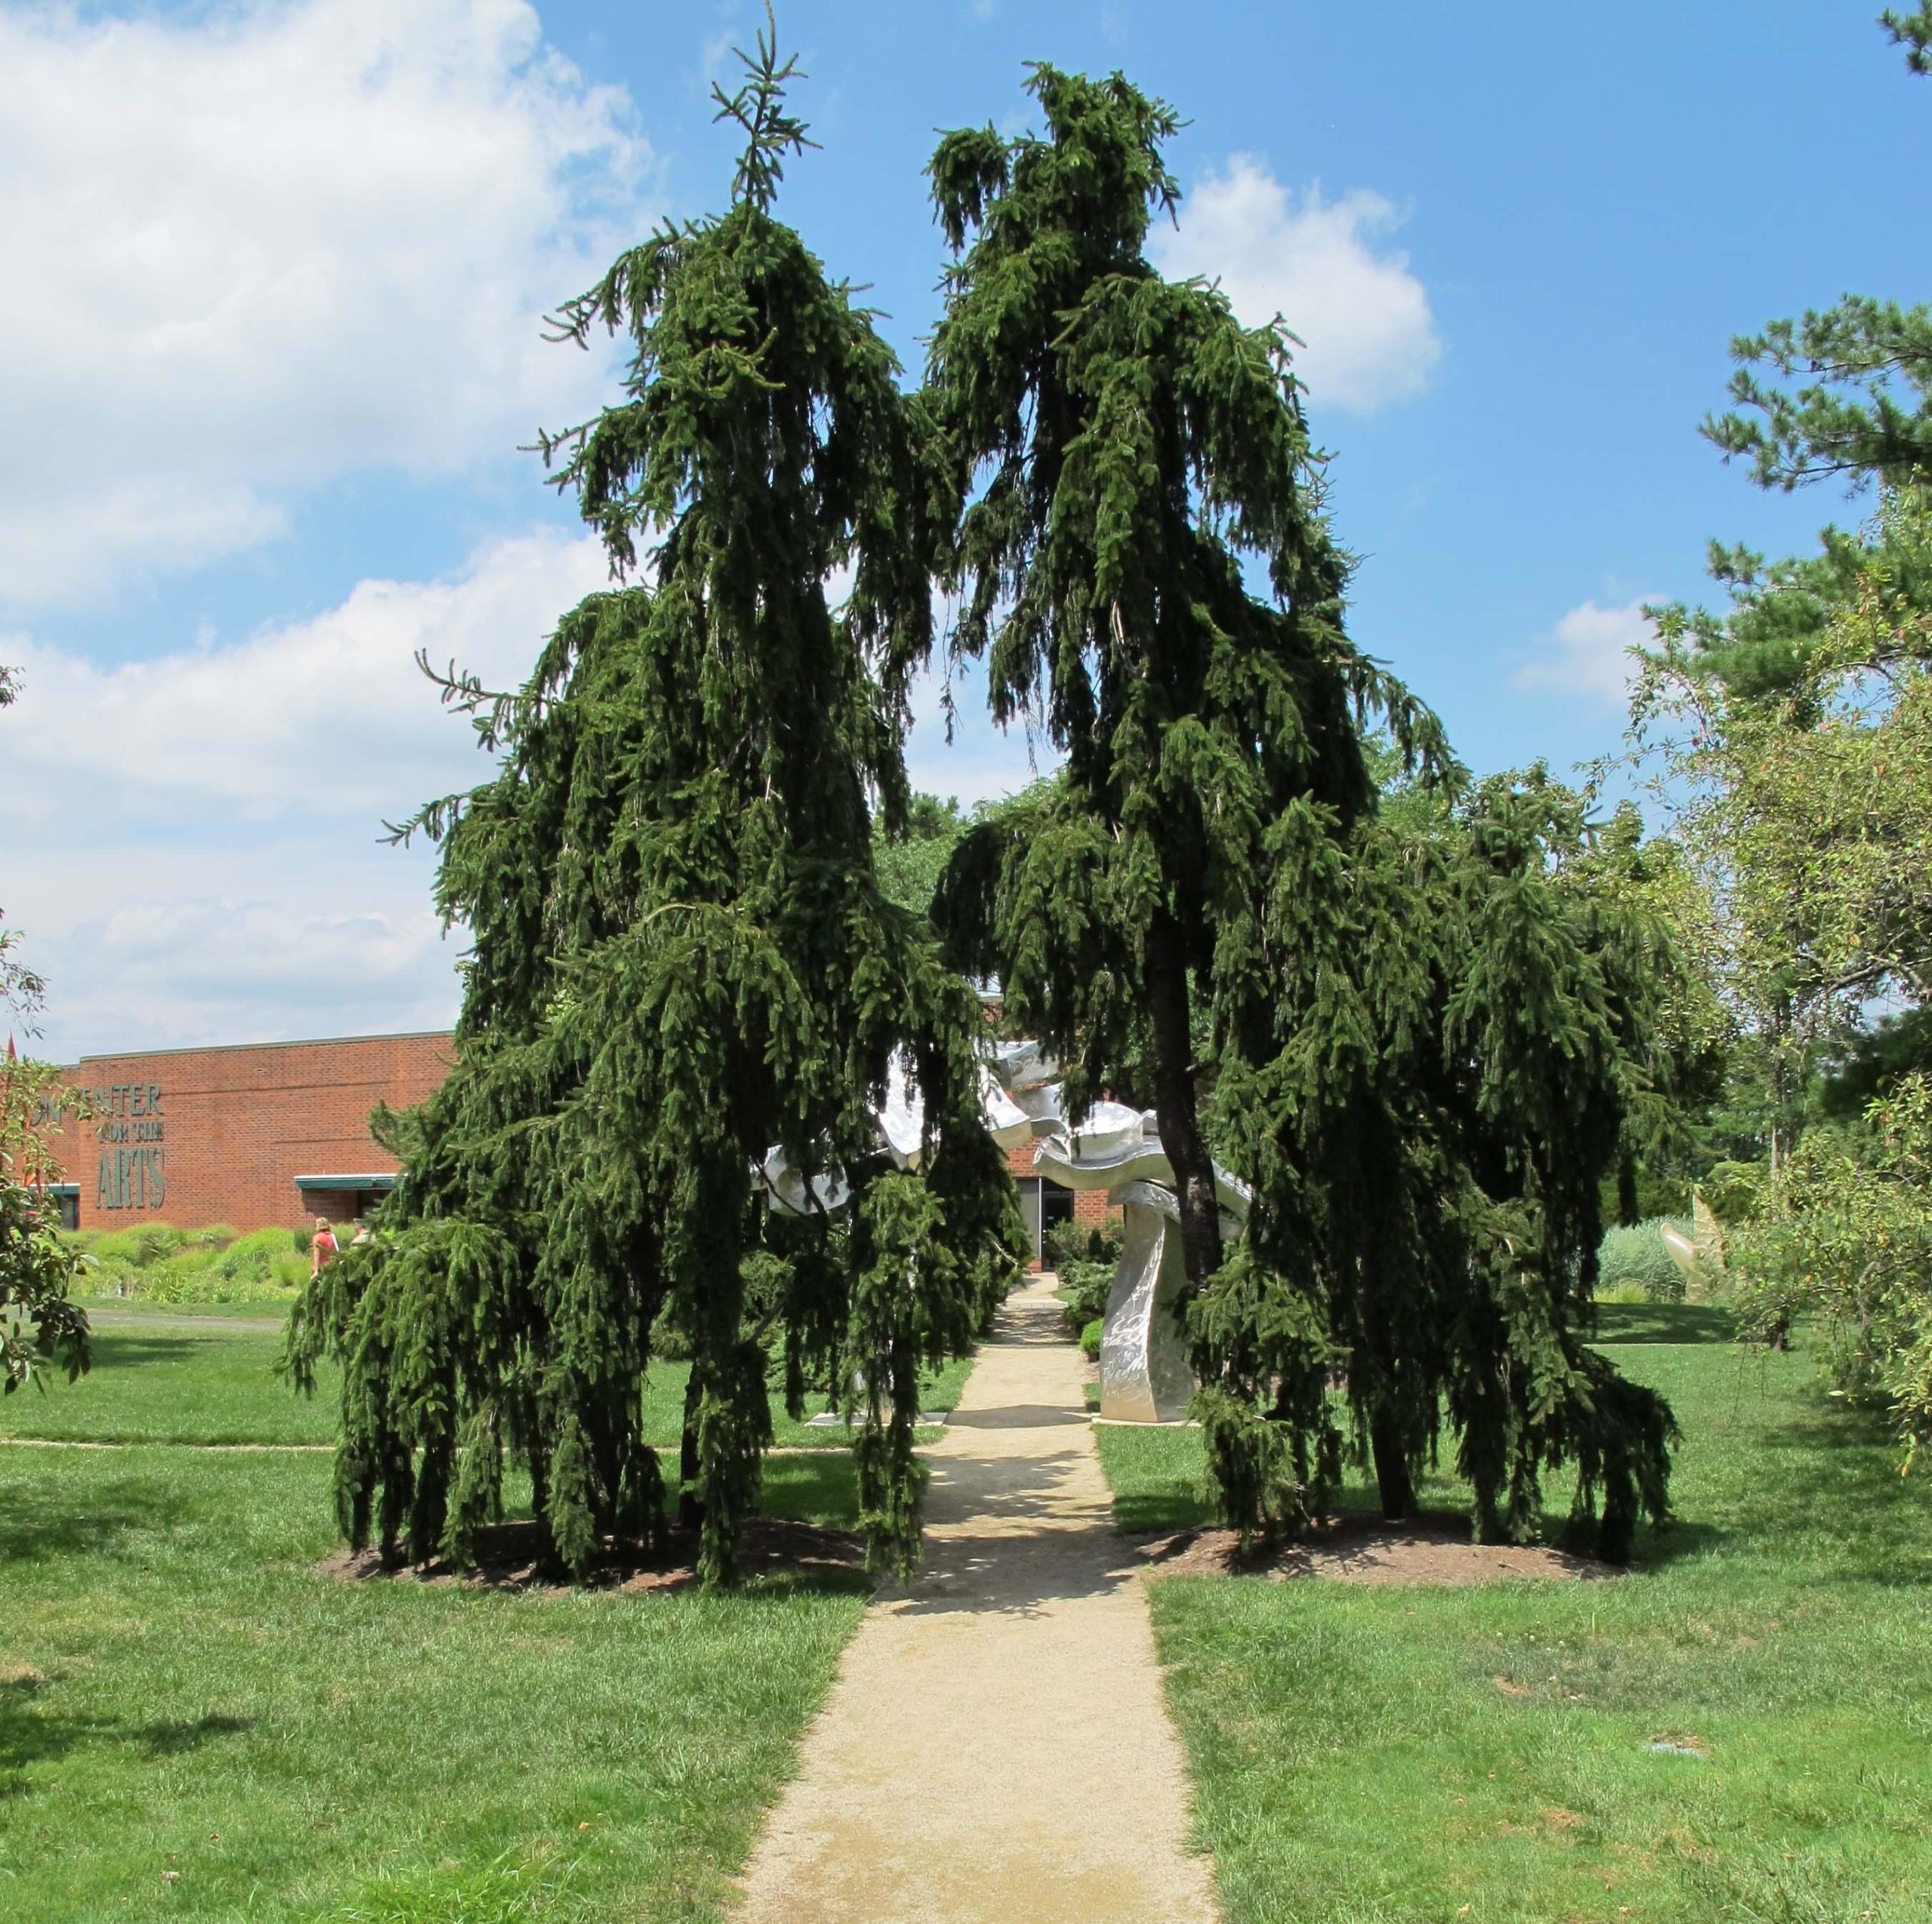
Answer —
1398 1754
197 1721
210 1377
168 1379
181 1693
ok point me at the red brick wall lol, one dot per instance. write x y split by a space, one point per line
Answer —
191 1136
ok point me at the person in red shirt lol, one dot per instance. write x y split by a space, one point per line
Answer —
321 1247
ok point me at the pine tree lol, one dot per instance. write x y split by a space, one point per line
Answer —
1421 1038
1121 444
682 956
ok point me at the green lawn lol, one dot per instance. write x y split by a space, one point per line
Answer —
1396 1754
162 1379
208 1377
181 1691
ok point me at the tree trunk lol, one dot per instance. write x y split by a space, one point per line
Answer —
1173 1099
1392 1469
1397 1488
690 1507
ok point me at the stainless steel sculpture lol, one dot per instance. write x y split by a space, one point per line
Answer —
1144 1375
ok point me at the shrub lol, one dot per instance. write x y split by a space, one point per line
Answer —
140 1247
164 1265
1634 1259
1067 1243
268 1257
1084 1287
1090 1340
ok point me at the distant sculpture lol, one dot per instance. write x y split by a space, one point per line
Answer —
901 1120
1144 1372
1700 1256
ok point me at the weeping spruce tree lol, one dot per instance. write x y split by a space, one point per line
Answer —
681 958
1417 1038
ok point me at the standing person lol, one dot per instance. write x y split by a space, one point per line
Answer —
322 1248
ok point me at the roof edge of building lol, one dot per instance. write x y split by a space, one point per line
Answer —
236 1048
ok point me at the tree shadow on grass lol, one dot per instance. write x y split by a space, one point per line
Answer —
34 1730
42 1526
1664 1323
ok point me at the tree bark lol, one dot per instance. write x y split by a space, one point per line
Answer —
1166 988
1393 1481
691 1505
1397 1488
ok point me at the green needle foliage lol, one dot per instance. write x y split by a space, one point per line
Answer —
683 957
1120 445
1423 1040
1864 406
1468 1009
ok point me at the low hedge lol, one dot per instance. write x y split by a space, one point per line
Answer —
156 1262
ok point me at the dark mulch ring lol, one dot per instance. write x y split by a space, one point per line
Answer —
510 1556
1359 1547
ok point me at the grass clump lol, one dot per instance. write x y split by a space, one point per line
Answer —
1633 1265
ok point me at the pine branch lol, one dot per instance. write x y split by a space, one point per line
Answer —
757 107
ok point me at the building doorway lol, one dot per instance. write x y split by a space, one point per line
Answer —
1044 1204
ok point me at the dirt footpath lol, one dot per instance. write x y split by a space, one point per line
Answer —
996 1746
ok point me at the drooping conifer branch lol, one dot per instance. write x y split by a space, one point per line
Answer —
681 958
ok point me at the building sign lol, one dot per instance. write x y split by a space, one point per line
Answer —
128 1124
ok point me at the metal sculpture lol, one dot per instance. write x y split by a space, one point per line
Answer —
1144 1372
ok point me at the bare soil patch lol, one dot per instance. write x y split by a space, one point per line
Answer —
510 1556
1360 1548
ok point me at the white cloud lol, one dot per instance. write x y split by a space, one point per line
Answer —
1587 653
1359 306
322 720
193 841
252 251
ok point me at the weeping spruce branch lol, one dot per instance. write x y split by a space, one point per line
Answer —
682 956
1413 1031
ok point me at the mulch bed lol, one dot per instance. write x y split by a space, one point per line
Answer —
508 1557
1359 1547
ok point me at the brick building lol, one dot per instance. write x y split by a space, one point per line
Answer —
262 1134
278 1133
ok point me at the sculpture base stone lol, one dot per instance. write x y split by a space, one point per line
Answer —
1144 1376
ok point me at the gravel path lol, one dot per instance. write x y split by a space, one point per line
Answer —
996 1746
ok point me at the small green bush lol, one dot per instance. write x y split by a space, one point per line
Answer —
1634 1258
1090 1340
1068 1244
1084 1287
141 1247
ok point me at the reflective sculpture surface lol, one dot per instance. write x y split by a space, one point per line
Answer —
1144 1374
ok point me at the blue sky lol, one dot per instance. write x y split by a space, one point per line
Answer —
271 322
